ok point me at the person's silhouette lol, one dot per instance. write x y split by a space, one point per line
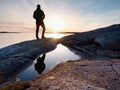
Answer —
40 65
39 16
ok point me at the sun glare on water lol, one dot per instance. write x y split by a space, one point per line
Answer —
55 35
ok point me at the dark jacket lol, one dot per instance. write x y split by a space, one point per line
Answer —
38 15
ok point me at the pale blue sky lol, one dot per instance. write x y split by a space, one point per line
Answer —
75 15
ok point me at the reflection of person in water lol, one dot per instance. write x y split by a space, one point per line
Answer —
40 66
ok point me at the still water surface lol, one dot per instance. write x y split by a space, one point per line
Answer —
7 39
61 53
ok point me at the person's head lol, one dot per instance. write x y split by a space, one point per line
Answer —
38 6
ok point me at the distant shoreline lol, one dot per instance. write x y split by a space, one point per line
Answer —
9 32
46 32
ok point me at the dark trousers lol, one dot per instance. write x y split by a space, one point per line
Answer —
38 24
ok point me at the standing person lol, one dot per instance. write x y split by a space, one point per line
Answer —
39 17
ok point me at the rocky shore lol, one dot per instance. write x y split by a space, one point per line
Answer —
80 75
15 58
99 68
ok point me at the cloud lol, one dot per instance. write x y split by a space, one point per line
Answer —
77 15
93 21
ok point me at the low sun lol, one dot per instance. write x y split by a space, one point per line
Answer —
56 24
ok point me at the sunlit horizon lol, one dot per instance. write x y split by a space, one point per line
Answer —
61 15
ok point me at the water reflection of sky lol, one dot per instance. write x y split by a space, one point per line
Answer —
60 54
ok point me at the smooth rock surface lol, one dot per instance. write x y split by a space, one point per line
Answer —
92 43
109 40
85 38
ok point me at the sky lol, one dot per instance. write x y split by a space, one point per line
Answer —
61 15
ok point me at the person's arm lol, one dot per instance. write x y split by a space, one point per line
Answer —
43 15
34 16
